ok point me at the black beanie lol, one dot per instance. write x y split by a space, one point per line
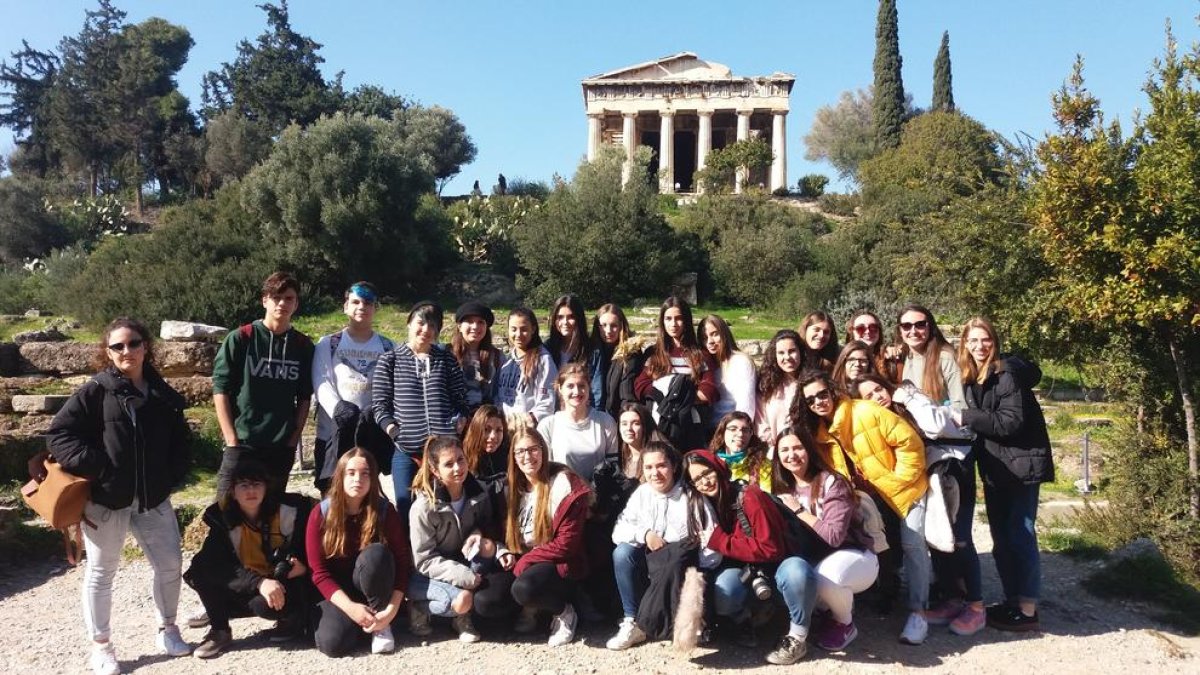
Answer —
474 308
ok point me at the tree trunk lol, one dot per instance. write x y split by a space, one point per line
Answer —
1179 355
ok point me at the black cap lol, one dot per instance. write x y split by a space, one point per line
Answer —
435 308
474 308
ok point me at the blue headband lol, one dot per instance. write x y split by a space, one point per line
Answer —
364 293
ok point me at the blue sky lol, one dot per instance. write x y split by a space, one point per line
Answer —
511 70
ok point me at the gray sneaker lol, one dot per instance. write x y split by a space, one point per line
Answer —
789 650
213 644
418 619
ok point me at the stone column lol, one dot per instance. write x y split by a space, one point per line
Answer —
703 142
779 149
743 134
628 131
666 153
595 121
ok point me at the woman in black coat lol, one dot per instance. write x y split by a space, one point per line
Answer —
124 429
1013 449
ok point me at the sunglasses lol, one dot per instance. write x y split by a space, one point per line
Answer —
823 395
866 328
122 347
917 325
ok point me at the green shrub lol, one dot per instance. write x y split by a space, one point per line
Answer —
805 292
27 228
482 228
15 295
813 185
839 204
721 166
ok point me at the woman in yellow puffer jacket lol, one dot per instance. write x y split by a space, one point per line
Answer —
878 451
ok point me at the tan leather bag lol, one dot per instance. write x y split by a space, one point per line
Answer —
58 497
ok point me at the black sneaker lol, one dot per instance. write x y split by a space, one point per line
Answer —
284 630
1013 619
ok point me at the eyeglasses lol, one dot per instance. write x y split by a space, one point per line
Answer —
923 324
823 395
704 477
525 452
858 362
866 328
121 347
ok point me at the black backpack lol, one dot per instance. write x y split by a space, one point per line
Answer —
679 419
801 539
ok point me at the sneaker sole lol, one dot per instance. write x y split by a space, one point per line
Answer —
966 632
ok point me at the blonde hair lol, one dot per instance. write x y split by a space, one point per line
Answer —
971 371
333 539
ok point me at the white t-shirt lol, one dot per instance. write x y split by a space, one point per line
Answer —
344 376
580 445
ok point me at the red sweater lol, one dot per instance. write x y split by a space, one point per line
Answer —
327 571
767 541
706 384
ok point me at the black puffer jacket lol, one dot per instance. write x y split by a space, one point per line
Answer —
1012 446
130 445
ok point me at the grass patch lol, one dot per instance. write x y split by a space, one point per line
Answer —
1057 375
1070 542
1150 579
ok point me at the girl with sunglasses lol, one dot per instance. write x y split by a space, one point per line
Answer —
883 454
926 358
124 429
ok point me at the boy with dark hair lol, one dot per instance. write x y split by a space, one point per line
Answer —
262 387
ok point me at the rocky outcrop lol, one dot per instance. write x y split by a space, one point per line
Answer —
185 359
197 390
186 331
174 359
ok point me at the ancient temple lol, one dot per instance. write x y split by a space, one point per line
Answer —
684 107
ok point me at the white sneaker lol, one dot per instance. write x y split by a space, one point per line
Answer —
171 643
562 627
465 629
916 629
628 635
104 659
382 642
526 621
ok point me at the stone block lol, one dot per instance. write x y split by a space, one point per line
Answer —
197 390
184 359
45 404
51 334
186 331
59 358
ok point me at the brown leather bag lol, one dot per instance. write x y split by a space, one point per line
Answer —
58 497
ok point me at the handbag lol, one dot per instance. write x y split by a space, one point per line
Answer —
58 498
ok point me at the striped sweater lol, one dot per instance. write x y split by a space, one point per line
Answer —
423 397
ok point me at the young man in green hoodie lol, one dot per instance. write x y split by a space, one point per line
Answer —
262 386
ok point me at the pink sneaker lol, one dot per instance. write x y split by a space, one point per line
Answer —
969 622
944 613
837 636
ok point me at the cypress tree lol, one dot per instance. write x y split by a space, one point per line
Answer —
943 95
889 88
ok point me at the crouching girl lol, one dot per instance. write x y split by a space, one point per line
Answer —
451 512
358 550
252 561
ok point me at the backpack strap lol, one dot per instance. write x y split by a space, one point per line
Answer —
740 511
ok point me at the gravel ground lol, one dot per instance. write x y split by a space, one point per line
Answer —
43 633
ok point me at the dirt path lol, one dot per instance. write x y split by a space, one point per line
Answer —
42 632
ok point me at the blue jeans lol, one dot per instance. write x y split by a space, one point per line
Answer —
729 593
629 568
438 594
404 469
1012 517
797 584
963 563
917 568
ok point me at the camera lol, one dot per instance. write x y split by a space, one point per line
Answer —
281 564
758 582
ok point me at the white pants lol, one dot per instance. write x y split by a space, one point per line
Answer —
157 533
842 574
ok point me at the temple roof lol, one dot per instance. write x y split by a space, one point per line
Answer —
684 66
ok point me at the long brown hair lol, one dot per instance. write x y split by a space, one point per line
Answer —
519 484
728 344
783 482
625 333
659 363
932 384
972 372
839 367
854 388
576 349
802 415
824 358
533 351
101 360
476 436
333 539
489 356
756 450
770 376
426 480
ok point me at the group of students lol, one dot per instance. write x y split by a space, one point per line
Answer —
699 490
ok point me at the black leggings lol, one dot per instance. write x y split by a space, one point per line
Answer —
540 587
222 604
493 599
372 584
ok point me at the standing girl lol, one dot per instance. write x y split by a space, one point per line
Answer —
615 359
927 359
473 349
855 361
525 384
736 385
568 341
676 353
358 550
1013 448
777 384
124 429
417 392
577 435
820 341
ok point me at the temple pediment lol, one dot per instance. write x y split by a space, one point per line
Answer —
681 66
